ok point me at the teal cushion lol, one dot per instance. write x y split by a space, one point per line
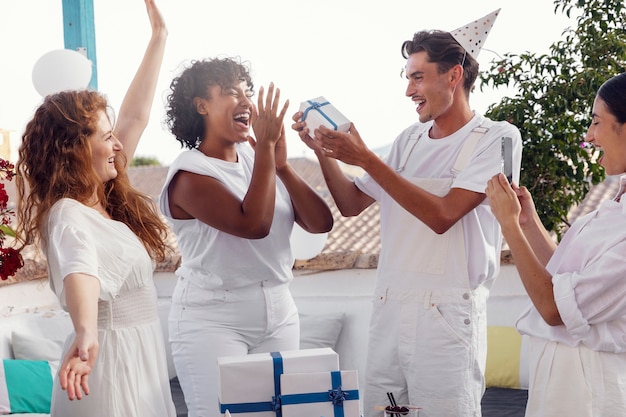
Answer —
25 386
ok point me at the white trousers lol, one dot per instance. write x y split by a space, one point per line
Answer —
206 324
428 348
575 381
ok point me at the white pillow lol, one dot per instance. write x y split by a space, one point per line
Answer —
320 330
35 348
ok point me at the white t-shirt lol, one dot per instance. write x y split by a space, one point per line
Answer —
213 259
81 240
589 276
434 158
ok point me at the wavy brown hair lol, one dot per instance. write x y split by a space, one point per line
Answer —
445 51
55 162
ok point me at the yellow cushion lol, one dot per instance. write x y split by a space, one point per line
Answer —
504 346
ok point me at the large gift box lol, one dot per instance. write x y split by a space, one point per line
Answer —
250 385
319 112
329 394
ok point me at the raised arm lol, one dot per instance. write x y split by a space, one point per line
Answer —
134 112
542 243
506 207
210 201
438 212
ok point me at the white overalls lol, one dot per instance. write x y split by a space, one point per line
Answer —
428 328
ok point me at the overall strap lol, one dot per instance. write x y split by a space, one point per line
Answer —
468 148
413 138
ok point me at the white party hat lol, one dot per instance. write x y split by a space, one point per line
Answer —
472 35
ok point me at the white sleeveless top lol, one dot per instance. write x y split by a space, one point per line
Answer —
213 259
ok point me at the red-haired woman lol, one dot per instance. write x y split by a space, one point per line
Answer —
100 238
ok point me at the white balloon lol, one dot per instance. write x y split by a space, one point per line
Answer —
61 69
305 245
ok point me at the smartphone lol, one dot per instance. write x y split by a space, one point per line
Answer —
507 158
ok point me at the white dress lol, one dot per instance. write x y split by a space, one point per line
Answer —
130 376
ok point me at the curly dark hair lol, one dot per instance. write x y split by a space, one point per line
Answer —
182 119
445 51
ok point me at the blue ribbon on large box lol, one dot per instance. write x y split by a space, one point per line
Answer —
314 105
273 405
335 395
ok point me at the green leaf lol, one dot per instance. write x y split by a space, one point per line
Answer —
7 230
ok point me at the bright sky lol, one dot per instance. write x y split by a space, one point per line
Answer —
345 50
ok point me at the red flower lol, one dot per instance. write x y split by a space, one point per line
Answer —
4 197
10 262
10 259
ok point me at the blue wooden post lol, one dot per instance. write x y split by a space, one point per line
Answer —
79 32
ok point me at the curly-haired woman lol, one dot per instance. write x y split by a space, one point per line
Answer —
100 238
232 201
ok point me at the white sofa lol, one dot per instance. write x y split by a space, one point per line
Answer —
334 306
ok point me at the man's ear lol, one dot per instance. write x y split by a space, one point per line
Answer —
456 74
200 105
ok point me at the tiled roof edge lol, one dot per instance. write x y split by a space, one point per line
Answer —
356 260
36 270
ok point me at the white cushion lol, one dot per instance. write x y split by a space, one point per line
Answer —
47 322
36 348
320 330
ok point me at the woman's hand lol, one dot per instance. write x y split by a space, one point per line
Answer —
156 18
281 150
503 201
78 364
136 107
267 122
527 205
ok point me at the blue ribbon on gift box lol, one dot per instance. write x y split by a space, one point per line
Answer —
336 395
273 405
314 105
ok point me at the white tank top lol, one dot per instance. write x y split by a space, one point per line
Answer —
213 259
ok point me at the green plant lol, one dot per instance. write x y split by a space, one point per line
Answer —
144 161
553 105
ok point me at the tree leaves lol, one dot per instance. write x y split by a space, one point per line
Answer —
552 107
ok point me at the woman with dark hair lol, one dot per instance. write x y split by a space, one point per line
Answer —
577 321
232 201
100 238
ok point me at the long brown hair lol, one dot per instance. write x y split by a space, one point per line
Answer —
55 162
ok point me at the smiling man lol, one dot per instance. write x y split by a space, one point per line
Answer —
440 242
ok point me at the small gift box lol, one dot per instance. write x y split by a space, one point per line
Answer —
250 385
319 112
329 394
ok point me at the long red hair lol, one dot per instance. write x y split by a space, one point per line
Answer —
55 162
